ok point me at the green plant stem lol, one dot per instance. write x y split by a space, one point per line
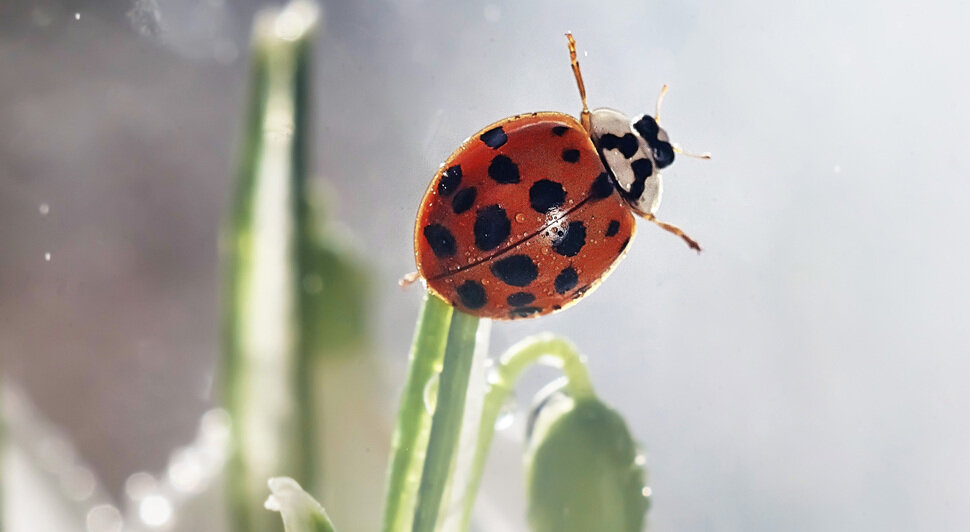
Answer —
446 423
502 381
414 421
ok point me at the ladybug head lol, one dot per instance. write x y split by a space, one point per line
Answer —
633 151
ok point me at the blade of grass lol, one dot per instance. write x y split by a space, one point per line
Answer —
446 423
414 421
449 517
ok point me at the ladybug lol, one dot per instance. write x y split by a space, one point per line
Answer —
531 213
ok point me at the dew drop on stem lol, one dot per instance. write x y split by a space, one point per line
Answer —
431 393
506 415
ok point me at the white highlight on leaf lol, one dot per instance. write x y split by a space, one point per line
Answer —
300 511
273 504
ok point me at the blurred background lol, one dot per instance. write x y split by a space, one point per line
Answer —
807 371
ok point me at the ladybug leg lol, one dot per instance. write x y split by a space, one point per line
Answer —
678 150
584 115
675 230
408 280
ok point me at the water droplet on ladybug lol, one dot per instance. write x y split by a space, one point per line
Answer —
519 217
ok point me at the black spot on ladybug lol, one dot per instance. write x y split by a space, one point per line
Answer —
642 169
602 187
545 195
520 299
503 170
472 294
647 128
494 138
624 245
663 154
609 141
492 227
570 156
441 240
517 270
556 307
572 240
450 181
566 280
559 130
522 312
613 228
463 200
627 144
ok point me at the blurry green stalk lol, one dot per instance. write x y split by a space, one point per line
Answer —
268 247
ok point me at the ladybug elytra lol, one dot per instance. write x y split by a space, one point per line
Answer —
532 212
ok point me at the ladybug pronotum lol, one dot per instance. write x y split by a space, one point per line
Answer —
532 212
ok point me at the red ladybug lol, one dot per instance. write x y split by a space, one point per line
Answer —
531 213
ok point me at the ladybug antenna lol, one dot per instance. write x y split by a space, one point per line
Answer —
677 149
584 115
660 99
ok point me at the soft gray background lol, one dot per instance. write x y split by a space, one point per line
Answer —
808 371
